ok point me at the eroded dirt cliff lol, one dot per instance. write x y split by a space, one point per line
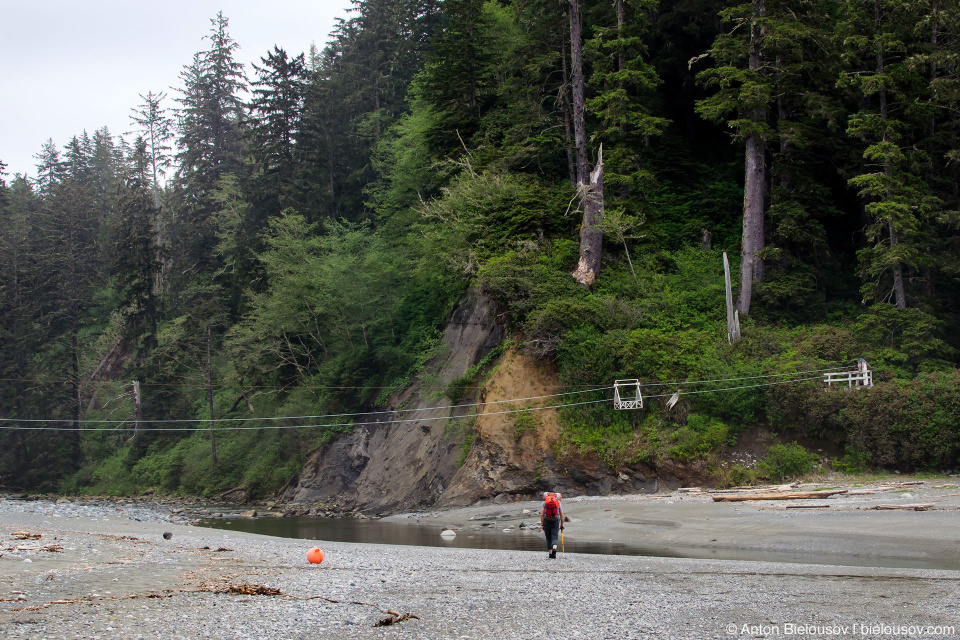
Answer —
405 457
416 455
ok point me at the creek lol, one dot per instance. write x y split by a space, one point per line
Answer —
375 531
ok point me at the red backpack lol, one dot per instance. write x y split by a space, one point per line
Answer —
551 505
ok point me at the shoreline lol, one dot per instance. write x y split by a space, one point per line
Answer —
117 577
849 528
844 529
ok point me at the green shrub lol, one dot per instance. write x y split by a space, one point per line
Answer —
461 430
617 438
739 475
853 461
523 423
465 448
909 424
787 461
907 339
457 388
700 436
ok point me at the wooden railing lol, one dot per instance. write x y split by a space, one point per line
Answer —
857 378
626 393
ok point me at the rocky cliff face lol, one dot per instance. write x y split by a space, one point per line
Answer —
413 456
406 457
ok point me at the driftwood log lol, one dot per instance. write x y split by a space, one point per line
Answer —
771 495
904 507
808 506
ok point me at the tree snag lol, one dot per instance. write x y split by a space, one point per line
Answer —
589 188
591 238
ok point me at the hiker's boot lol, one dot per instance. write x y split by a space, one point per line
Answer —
553 552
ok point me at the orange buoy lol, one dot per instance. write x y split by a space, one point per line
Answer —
315 556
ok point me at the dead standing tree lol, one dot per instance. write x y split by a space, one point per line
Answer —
755 177
589 187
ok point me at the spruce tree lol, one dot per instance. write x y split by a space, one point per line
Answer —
624 84
156 129
136 262
898 202
275 113
50 168
456 76
211 122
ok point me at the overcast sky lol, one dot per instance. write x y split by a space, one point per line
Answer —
74 65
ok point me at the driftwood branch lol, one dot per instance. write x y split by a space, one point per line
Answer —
259 590
25 535
395 618
92 600
807 506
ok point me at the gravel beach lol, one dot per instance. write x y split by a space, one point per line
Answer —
105 571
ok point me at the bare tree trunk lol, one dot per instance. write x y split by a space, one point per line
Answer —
626 250
754 173
591 238
137 409
755 177
590 187
579 104
733 318
213 438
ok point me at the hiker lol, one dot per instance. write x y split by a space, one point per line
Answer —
551 519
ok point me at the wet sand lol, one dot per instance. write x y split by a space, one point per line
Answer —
843 529
115 577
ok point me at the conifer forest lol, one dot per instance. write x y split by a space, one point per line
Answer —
290 240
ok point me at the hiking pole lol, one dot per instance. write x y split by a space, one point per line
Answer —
563 551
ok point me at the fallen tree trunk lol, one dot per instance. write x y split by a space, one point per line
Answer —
797 495
904 507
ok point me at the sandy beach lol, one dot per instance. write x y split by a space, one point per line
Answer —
843 529
853 571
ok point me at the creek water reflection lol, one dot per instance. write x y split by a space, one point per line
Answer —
426 534
419 534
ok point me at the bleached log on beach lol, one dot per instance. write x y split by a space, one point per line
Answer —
25 535
53 548
797 495
904 507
